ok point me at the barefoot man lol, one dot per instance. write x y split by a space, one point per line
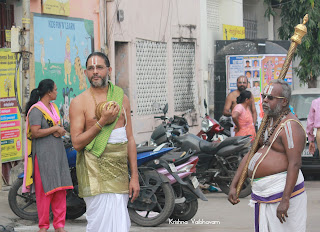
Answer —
278 193
103 137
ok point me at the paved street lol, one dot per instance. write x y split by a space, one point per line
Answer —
217 213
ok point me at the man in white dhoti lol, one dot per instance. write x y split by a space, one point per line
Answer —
278 193
101 132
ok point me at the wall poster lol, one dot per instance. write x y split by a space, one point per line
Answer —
11 142
259 69
61 47
56 7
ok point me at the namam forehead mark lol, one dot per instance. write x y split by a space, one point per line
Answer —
241 79
268 89
94 61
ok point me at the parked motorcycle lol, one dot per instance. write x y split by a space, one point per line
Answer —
218 162
210 128
174 170
24 204
156 192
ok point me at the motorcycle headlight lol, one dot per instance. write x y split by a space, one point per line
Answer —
206 125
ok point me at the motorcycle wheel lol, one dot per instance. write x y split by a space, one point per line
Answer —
22 204
164 208
185 211
232 164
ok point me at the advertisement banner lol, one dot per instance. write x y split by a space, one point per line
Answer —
259 69
11 138
231 32
61 47
56 7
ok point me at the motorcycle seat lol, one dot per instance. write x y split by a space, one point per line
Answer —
209 147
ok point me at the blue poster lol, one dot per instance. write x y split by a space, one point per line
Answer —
61 47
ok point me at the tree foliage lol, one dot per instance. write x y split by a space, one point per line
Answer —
292 13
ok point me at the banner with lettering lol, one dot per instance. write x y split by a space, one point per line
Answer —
231 32
61 47
10 116
56 7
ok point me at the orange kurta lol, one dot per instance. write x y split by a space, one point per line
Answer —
245 120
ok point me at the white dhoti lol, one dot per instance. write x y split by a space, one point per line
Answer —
266 196
107 212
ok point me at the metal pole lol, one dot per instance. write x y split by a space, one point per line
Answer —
24 42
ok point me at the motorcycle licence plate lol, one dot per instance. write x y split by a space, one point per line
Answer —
194 182
172 167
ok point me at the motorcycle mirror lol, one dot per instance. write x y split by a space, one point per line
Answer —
165 109
205 103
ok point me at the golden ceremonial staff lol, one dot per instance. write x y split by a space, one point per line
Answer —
299 31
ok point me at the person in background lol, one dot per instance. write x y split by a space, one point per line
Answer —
313 122
242 117
231 100
46 164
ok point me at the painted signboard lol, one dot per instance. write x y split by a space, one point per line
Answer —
56 7
61 47
259 69
231 32
10 116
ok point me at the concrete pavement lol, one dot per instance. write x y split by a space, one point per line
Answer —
215 215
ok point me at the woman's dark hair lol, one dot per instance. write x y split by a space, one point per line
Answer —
245 94
100 54
44 87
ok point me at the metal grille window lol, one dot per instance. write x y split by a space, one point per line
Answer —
6 21
213 16
250 23
151 72
183 76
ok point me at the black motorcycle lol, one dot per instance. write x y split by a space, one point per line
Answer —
218 162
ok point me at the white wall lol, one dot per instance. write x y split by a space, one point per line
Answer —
159 21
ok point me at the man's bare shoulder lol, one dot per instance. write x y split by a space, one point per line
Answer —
233 95
295 123
80 99
126 102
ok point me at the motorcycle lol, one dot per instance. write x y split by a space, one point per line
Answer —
158 193
211 128
24 204
160 175
218 162
187 191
